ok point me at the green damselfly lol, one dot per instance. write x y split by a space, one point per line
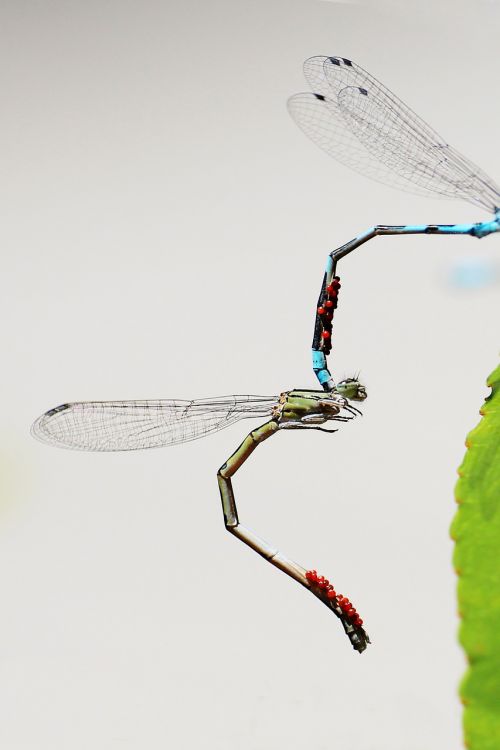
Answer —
133 425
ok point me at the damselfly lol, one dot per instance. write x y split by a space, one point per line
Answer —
362 124
132 425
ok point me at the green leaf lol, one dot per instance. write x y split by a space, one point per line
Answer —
476 531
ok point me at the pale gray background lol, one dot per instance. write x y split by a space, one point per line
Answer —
164 226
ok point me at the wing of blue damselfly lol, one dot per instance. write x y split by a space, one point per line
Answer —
358 121
131 425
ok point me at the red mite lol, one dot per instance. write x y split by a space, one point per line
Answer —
342 601
325 312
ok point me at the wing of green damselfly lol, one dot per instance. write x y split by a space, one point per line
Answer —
131 425
358 121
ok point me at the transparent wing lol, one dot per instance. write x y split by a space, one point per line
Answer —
130 425
359 122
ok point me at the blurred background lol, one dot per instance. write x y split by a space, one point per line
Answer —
164 230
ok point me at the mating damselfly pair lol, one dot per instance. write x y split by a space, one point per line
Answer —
362 124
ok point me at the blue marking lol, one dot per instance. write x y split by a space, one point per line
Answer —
365 234
476 230
319 366
319 360
440 228
487 227
323 376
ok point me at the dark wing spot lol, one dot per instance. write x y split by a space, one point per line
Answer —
57 409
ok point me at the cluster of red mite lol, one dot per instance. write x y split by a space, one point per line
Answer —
325 313
341 601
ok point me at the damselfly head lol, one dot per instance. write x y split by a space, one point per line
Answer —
311 409
351 389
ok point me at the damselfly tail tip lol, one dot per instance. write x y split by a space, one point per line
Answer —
341 607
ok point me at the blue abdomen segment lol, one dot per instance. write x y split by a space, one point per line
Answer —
320 369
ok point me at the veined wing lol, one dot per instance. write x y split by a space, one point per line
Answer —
358 121
130 425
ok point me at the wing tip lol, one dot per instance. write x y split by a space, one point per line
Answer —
39 429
